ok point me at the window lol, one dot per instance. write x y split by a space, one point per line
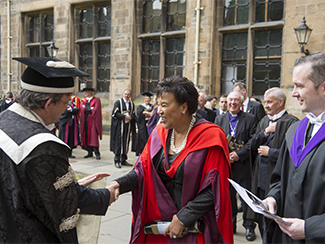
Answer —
269 10
175 55
94 47
262 69
234 60
267 60
150 64
41 30
236 12
163 32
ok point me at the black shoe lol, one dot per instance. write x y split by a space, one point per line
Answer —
88 156
97 157
126 164
117 165
71 156
250 235
240 208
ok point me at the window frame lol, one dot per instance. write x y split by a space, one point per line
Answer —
94 41
42 44
162 36
250 28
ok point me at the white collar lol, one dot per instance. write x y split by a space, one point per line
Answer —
276 116
319 120
125 100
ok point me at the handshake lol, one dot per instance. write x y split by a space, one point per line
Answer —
113 187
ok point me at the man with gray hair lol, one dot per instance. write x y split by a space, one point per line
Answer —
239 128
40 198
265 145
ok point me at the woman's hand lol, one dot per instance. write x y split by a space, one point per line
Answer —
175 229
86 181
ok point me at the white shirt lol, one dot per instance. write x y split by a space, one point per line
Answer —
245 104
221 111
317 121
127 105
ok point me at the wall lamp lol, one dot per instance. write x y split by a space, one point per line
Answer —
303 33
52 50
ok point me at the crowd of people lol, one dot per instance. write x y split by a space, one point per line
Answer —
187 147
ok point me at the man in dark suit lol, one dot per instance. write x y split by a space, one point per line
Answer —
249 106
241 126
222 105
207 114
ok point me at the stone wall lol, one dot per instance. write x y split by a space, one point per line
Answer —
125 45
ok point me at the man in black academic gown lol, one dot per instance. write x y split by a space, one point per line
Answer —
143 115
206 113
69 127
265 145
122 126
249 106
241 126
40 198
298 179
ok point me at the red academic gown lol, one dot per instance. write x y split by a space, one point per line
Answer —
206 163
94 123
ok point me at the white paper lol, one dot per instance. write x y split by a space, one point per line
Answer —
162 227
256 204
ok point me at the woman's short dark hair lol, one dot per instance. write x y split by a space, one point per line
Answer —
182 89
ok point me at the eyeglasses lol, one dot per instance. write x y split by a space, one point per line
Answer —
68 104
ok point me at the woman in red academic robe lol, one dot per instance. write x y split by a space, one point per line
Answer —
182 173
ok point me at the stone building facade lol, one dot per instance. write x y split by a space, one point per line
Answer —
134 43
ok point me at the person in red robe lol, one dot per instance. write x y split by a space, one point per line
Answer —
182 174
90 123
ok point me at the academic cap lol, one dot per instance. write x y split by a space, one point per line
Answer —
88 89
147 94
48 75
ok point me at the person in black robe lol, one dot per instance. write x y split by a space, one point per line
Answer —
122 126
298 180
6 101
241 126
143 115
40 198
69 127
265 145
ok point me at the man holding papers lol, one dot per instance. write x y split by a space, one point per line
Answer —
297 182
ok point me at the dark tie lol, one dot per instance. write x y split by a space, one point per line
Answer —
309 132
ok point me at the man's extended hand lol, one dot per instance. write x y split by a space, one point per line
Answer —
114 189
296 230
86 181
